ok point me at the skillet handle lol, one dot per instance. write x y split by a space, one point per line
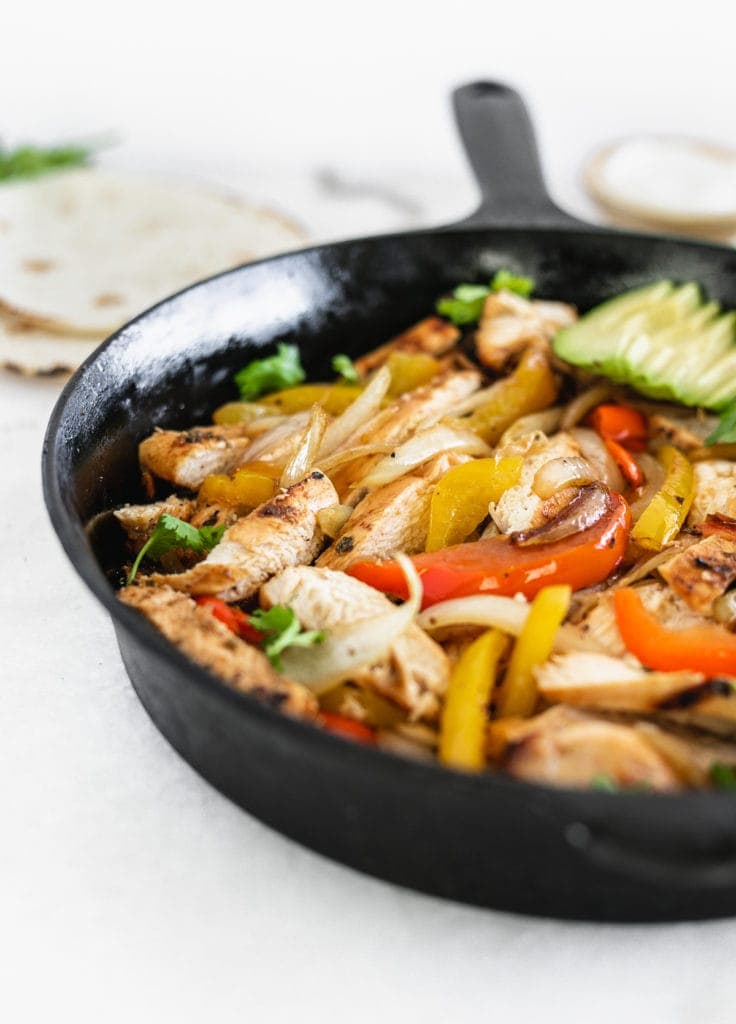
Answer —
498 137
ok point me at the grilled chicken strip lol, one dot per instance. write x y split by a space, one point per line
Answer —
702 572
415 675
186 457
563 747
682 427
715 490
509 323
282 532
197 633
139 521
433 336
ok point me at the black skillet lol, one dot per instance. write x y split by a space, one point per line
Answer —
481 839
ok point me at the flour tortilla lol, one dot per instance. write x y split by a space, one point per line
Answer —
84 251
35 351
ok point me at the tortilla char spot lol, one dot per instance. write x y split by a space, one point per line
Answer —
108 299
38 266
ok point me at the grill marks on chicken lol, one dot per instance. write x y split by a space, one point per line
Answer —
282 532
196 632
702 572
416 674
186 457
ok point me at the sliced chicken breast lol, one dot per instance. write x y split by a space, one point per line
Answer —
139 521
205 640
282 532
510 322
715 490
702 572
416 674
186 457
433 336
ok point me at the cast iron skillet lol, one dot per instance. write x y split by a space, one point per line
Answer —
484 839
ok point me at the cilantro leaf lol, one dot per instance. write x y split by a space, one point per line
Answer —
282 629
32 161
604 783
345 366
723 776
516 283
170 533
272 373
466 304
725 432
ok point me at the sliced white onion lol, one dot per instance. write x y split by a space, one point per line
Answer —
303 458
555 475
353 645
648 566
357 413
599 457
508 614
580 406
332 519
548 421
286 427
333 462
422 447
654 475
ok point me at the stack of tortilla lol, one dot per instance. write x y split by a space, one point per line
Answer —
84 251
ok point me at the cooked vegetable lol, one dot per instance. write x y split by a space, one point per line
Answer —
410 370
32 161
497 565
334 398
171 533
346 727
233 617
271 373
723 776
463 724
621 423
461 498
422 447
280 629
242 491
304 457
662 519
518 696
345 366
708 649
558 474
725 432
356 414
466 304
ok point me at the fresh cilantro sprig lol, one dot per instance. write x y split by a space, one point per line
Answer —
466 303
272 373
32 161
723 776
725 432
282 629
170 533
345 366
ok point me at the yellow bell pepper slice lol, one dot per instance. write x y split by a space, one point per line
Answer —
334 398
410 370
461 498
239 412
243 491
530 387
662 519
518 693
465 714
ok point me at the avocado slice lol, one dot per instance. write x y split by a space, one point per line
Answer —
663 340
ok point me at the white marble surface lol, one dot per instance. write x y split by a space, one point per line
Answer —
129 889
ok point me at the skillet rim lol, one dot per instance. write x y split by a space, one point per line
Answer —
71 533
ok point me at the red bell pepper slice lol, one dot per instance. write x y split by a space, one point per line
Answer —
235 619
346 727
622 424
708 649
625 462
499 566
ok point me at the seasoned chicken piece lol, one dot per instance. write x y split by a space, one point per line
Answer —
401 419
702 572
599 628
598 681
205 640
416 674
186 457
519 507
139 521
282 532
670 609
711 706
715 490
575 748
509 323
685 429
690 754
433 336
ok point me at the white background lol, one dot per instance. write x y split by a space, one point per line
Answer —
129 890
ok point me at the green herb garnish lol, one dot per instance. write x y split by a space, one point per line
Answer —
171 533
466 304
282 629
723 776
604 783
345 366
725 432
32 161
273 373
